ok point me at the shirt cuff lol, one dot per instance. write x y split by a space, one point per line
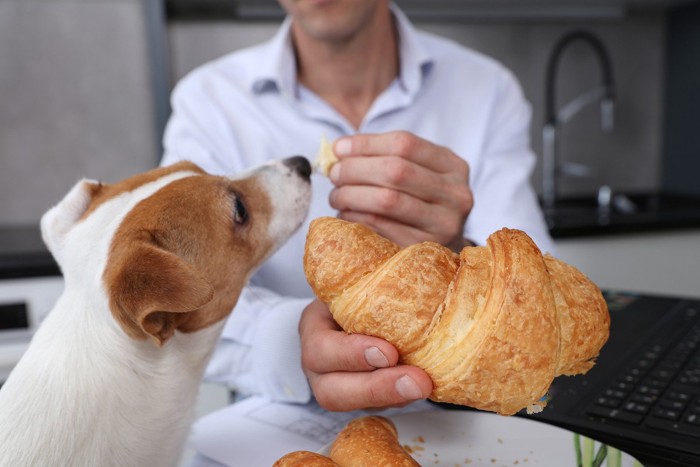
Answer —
276 353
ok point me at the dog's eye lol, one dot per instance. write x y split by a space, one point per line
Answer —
240 215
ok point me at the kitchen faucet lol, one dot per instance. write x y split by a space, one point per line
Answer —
555 118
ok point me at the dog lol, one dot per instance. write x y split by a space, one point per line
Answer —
153 265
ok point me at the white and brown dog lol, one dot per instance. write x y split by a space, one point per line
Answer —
152 266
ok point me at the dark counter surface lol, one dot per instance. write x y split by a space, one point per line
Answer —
24 254
628 213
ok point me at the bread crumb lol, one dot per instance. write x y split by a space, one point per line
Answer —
325 157
413 448
537 407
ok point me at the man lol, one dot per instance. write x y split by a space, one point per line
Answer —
433 145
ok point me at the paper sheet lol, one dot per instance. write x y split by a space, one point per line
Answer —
257 431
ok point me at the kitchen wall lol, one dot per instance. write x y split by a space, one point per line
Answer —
77 96
75 99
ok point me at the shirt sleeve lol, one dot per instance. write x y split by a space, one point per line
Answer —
502 186
260 351
197 130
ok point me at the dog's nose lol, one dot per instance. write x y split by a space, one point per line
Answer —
300 165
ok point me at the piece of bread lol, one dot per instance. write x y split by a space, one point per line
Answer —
492 326
325 157
304 459
370 441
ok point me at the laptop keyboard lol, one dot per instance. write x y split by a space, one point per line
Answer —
660 390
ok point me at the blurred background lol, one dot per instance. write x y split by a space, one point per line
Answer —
84 88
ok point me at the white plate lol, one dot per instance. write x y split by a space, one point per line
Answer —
465 438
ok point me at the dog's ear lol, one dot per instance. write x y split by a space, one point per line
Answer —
57 221
151 289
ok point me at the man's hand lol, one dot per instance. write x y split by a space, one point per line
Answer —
404 187
353 371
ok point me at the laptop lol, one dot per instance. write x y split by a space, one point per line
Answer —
643 395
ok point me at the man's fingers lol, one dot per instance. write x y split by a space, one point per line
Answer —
385 202
397 143
402 166
398 216
326 349
401 234
333 351
354 371
401 175
380 388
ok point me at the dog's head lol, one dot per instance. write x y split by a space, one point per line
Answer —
173 247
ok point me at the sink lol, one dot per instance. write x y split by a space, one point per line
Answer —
627 212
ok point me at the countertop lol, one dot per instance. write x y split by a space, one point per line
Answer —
23 253
626 213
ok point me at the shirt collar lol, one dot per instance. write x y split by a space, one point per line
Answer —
414 61
277 71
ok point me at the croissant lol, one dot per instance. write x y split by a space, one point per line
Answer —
369 441
492 326
304 459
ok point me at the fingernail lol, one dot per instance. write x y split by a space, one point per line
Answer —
408 389
376 358
342 147
334 174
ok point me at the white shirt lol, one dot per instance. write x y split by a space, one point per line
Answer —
247 108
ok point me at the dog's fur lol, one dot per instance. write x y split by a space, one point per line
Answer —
152 266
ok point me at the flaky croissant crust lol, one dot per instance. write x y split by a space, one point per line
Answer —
368 441
492 326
